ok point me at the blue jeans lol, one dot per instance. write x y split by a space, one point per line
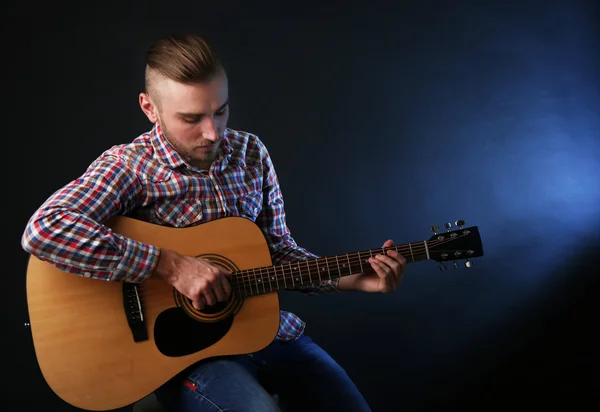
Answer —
304 377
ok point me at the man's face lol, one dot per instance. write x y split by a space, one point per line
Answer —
193 117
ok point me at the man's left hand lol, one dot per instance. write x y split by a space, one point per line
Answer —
385 276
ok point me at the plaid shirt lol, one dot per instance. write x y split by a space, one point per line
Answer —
147 179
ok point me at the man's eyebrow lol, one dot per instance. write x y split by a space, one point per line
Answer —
184 114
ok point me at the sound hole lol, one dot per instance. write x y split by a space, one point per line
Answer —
184 330
212 310
218 311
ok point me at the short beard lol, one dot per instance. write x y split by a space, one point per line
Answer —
195 161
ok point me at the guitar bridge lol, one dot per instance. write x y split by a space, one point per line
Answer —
134 311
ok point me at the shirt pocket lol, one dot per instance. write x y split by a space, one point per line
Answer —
178 212
250 205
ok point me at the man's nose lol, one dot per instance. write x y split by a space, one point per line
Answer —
209 129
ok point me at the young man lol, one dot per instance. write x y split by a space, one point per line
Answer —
190 169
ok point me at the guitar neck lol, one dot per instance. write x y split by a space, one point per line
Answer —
295 275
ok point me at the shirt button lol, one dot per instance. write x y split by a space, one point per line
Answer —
87 274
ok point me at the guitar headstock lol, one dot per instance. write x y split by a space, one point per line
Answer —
454 245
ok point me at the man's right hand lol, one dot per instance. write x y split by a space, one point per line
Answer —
203 282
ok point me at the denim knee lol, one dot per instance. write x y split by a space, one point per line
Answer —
217 385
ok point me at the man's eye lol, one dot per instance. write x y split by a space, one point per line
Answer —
220 112
191 121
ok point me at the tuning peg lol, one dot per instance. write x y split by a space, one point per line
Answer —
460 223
448 226
455 265
468 263
435 229
442 266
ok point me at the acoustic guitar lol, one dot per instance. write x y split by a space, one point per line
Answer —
103 345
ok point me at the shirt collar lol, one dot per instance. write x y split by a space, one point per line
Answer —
167 153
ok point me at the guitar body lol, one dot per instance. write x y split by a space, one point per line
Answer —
85 347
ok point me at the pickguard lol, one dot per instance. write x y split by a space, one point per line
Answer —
177 334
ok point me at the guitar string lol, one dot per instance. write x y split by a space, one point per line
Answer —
247 279
287 275
242 290
244 279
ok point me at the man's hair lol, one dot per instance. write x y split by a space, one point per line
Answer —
185 58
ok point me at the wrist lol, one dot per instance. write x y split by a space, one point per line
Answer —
345 283
165 268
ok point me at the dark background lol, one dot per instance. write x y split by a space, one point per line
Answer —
382 120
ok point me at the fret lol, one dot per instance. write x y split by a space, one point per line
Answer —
308 268
338 266
256 281
411 252
360 262
319 270
274 278
291 273
268 282
245 279
300 274
262 281
253 281
283 276
240 282
349 264
246 286
328 270
426 249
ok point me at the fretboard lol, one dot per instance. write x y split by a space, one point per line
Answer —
303 273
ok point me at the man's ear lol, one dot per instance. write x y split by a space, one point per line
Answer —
148 107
